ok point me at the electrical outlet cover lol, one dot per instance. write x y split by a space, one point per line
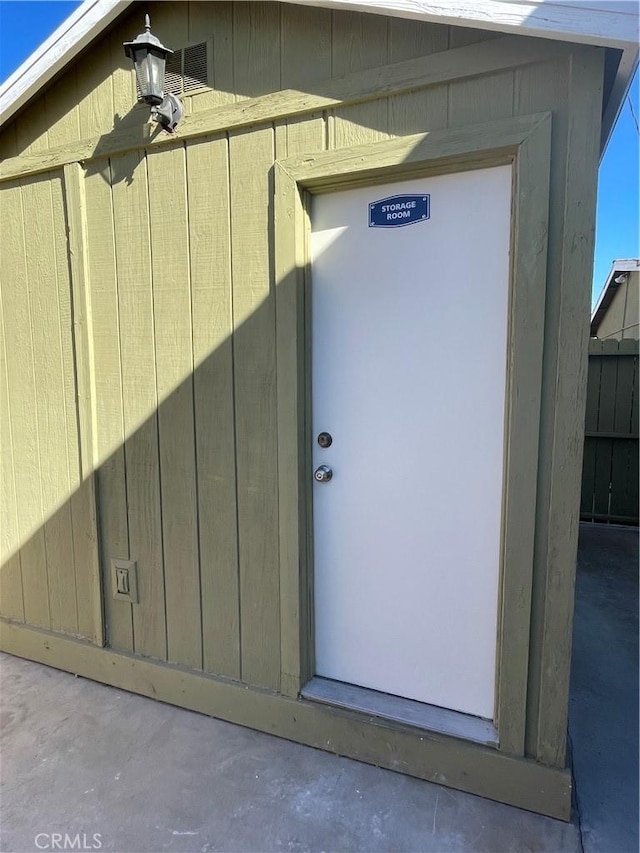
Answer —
131 580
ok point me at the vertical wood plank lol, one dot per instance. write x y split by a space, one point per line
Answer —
593 386
606 420
107 383
306 58
174 364
8 143
602 476
171 23
31 129
22 407
608 387
481 99
590 425
634 466
251 159
214 21
622 471
50 406
425 109
256 48
95 92
588 478
140 400
636 394
624 391
11 600
359 41
123 80
306 46
60 103
210 259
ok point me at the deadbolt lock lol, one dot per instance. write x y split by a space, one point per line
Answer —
325 439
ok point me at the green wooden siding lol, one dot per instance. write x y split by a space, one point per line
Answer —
610 466
48 531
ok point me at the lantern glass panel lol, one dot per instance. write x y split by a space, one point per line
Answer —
150 65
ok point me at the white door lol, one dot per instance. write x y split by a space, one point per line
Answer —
409 349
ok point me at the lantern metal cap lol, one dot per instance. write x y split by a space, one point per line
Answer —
145 39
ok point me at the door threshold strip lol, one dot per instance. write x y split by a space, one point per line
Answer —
408 711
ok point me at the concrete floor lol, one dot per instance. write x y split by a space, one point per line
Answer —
603 711
79 757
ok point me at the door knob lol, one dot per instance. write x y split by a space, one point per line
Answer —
323 474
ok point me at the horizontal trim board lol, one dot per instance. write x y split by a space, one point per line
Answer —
594 353
600 517
630 527
435 758
456 64
412 713
626 435
472 146
613 346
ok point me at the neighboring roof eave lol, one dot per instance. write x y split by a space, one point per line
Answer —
605 23
622 265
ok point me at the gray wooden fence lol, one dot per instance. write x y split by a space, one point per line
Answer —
610 467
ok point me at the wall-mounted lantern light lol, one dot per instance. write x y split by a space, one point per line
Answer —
149 59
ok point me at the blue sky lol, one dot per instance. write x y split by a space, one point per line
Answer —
24 24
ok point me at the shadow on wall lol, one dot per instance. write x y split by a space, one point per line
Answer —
183 428
139 134
191 495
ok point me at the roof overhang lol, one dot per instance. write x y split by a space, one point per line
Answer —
74 34
612 24
616 277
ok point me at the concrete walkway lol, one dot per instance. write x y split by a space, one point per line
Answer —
79 757
603 716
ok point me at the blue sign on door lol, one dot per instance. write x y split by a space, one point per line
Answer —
399 210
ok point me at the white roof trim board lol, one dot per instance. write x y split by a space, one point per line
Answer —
63 45
608 23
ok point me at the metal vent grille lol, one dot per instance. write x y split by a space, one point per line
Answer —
194 72
186 70
173 74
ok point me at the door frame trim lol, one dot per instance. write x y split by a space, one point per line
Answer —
524 143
